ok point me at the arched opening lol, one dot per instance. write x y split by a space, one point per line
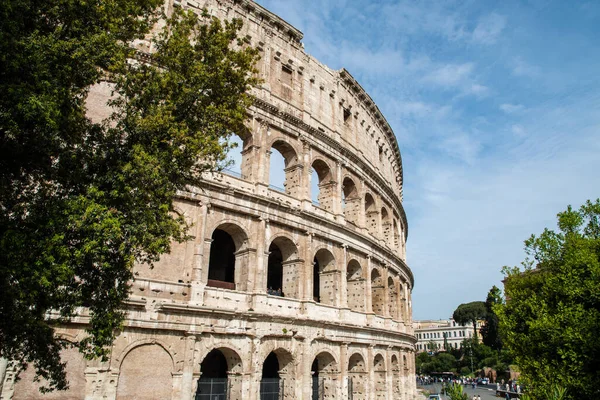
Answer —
385 225
282 269
355 288
357 378
377 292
284 173
396 236
139 379
392 298
322 185
221 267
278 381
220 375
371 215
275 271
380 375
323 372
239 159
270 384
324 278
350 201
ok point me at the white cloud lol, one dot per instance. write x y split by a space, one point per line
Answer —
522 68
511 108
449 75
518 130
489 28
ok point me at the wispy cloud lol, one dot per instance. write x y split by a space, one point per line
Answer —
496 113
489 28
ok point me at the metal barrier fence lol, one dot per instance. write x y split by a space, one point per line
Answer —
212 389
271 389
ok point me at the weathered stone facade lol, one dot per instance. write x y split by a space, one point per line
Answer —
275 290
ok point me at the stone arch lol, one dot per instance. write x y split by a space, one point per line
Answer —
386 225
392 298
357 377
377 292
291 168
350 200
145 372
371 214
324 370
322 191
325 277
379 370
221 372
27 387
228 262
278 375
355 286
283 267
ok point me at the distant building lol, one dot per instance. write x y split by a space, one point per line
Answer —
434 331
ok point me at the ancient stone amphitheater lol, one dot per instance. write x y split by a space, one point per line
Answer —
284 293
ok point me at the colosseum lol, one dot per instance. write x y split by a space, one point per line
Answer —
293 292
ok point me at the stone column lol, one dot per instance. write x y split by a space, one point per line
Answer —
389 373
369 294
386 291
344 370
371 372
308 267
188 386
344 278
200 253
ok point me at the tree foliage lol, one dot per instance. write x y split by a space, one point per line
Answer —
489 331
551 315
470 312
81 201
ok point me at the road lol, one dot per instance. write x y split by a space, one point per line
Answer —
486 393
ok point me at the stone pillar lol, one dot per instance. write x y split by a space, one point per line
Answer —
386 291
305 381
200 253
369 294
344 278
389 373
3 367
188 386
308 267
262 247
371 372
344 370
337 201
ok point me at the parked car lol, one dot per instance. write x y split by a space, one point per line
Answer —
435 397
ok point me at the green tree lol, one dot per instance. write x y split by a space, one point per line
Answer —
489 331
470 312
551 315
81 201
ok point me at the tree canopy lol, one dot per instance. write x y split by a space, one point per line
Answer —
81 201
489 330
470 312
551 315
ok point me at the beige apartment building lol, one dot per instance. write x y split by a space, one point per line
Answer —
283 292
431 333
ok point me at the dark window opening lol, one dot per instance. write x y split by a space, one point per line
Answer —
214 365
316 281
347 114
271 367
275 271
221 266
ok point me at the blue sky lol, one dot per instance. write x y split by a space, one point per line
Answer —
496 107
